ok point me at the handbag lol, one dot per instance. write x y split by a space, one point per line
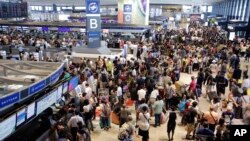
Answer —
141 123
216 122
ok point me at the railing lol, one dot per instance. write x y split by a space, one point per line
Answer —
15 97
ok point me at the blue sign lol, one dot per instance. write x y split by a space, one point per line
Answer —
37 87
127 8
93 24
93 7
54 77
127 18
8 100
94 34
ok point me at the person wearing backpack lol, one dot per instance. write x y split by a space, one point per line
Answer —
105 115
82 134
169 95
143 123
127 130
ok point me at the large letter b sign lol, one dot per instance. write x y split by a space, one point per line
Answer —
93 24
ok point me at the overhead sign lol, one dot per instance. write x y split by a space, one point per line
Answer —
93 23
8 100
127 18
54 77
37 87
127 8
93 7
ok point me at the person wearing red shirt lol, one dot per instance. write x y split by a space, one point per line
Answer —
192 85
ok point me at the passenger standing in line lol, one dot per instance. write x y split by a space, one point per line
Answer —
143 123
171 123
158 109
73 125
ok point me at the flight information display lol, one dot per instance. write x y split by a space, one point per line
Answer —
8 125
46 102
20 116
13 10
31 110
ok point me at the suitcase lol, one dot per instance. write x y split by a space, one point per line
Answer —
115 118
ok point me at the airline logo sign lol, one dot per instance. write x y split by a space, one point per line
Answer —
93 7
127 13
127 8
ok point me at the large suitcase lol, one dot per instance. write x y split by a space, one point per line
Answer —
115 118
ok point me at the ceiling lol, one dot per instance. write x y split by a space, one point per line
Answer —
114 2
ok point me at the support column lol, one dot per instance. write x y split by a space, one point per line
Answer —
133 12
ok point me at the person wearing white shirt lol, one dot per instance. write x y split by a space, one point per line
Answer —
134 72
153 96
246 83
119 93
88 91
73 124
84 86
141 94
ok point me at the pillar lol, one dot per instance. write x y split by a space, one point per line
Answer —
133 12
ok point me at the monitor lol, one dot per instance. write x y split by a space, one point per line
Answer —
231 36
59 92
46 101
65 87
8 126
20 116
73 83
31 110
78 90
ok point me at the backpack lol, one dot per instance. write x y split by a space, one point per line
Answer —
181 106
188 117
104 77
124 133
106 111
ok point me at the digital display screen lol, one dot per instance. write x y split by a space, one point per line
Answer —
65 87
59 92
78 90
31 110
46 102
20 116
7 126
73 83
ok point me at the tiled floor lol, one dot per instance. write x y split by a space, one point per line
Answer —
156 134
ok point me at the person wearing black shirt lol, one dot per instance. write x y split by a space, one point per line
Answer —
237 73
221 83
200 79
171 123
190 119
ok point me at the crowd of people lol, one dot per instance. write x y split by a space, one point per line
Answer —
150 79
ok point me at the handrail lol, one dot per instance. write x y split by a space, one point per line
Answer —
8 100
